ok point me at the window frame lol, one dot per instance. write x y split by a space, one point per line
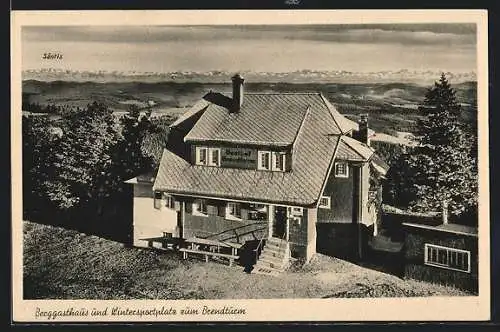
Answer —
231 216
196 204
329 199
198 150
169 201
210 156
260 158
157 199
430 262
274 158
338 175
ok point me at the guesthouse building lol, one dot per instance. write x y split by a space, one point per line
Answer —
282 174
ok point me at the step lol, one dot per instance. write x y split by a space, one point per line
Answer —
273 252
272 264
271 258
275 246
274 240
266 271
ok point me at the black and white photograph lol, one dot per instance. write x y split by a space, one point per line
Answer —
203 168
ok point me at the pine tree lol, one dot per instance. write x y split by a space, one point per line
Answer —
443 169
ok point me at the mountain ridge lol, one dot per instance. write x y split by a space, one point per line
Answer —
218 76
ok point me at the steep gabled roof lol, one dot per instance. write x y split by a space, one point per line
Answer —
344 124
263 119
353 150
195 109
314 150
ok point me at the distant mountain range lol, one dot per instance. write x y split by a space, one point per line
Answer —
303 76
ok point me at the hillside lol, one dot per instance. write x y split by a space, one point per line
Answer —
90 267
392 106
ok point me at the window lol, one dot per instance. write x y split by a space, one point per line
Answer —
325 202
157 199
295 211
233 211
257 212
264 162
341 170
201 155
169 201
214 154
200 207
278 161
447 258
207 156
274 161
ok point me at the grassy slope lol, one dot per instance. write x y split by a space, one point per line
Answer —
63 264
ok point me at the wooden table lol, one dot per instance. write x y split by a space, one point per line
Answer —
214 248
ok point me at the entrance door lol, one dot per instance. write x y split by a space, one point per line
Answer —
279 222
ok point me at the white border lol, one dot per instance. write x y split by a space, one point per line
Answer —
395 309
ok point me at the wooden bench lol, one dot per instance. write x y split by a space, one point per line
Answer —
207 254
214 244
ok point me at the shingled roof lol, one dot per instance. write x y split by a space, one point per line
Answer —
306 120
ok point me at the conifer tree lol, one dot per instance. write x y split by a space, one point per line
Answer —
443 169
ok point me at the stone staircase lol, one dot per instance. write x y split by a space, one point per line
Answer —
274 258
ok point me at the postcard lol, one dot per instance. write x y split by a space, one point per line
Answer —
250 166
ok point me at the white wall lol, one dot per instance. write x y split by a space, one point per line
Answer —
311 233
148 221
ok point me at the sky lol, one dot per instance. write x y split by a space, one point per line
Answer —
357 48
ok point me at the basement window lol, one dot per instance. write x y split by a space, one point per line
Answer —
341 170
325 202
447 258
233 211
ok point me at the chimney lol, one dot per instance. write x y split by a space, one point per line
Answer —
363 129
237 92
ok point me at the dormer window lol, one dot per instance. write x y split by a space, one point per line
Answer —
271 161
279 161
207 156
264 162
201 155
214 157
341 170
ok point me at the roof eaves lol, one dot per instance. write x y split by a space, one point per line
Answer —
327 176
345 140
236 141
325 101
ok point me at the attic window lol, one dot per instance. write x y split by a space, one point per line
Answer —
278 161
341 170
207 156
271 161
264 160
201 155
